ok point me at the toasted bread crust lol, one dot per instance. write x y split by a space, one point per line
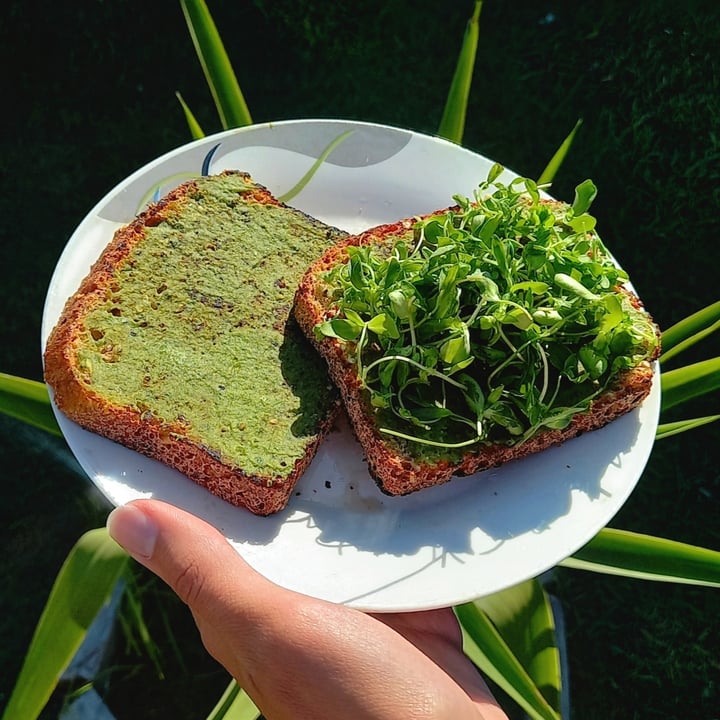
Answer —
143 431
395 471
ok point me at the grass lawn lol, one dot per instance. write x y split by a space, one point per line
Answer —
90 98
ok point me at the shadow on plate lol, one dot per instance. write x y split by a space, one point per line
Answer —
342 507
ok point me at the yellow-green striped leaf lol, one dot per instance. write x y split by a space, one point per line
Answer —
83 585
196 132
219 74
548 174
688 382
235 704
452 123
690 330
620 552
487 648
666 430
524 618
27 400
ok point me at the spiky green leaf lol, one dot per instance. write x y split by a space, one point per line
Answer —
235 704
218 70
688 382
29 401
524 618
666 430
196 132
487 648
83 585
551 169
690 330
620 552
452 124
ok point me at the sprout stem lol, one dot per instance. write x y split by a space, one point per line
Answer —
414 363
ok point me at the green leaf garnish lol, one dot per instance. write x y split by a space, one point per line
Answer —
585 193
489 322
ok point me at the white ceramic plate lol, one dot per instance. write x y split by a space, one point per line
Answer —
340 538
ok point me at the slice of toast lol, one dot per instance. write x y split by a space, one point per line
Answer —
180 343
399 463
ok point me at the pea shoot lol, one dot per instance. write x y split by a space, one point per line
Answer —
489 321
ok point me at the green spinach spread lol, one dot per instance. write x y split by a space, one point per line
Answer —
196 331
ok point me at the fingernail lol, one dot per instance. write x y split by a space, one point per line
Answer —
133 530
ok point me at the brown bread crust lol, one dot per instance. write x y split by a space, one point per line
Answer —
395 471
141 431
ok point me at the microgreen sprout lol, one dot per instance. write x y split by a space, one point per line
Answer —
489 321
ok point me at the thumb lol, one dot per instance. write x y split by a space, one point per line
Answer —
205 571
188 554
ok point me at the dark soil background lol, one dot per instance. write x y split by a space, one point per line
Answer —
89 96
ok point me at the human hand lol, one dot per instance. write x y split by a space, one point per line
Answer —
296 656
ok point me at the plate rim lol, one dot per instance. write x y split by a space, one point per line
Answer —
187 147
